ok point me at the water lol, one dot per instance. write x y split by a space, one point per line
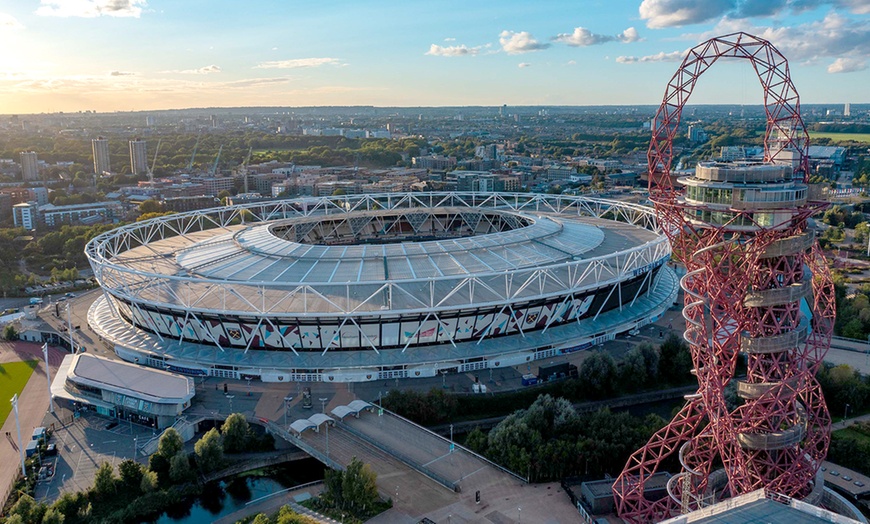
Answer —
221 498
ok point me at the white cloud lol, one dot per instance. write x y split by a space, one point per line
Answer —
675 56
205 70
847 65
91 8
628 36
676 13
523 65
523 42
121 73
582 37
449 39
453 50
836 37
297 63
572 62
8 22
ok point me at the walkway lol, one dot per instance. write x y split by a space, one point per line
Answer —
32 406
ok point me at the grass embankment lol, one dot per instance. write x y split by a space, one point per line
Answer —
13 378
842 137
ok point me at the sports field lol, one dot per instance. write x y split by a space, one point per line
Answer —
13 378
842 137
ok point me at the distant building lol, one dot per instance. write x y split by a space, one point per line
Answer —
5 206
100 148
189 203
435 162
39 195
138 157
149 120
847 109
696 133
19 195
54 216
24 215
29 166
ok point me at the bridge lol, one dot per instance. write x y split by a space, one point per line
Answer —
424 473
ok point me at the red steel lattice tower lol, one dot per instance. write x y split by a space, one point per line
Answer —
756 285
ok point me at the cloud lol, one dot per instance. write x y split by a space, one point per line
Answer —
847 65
91 8
670 13
453 50
845 40
8 22
516 43
448 39
582 37
523 65
205 70
675 56
676 13
121 73
297 63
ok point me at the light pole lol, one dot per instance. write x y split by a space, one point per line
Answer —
48 378
519 514
18 427
323 404
230 398
451 438
135 447
287 401
846 414
327 441
72 344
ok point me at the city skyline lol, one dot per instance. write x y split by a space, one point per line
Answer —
123 55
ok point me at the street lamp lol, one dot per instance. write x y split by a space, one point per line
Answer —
18 427
48 378
135 447
323 404
451 438
69 330
519 514
287 401
846 414
230 398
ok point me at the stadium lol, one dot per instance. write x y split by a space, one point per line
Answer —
366 287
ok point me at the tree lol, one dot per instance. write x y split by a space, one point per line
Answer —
104 481
149 482
209 451
476 441
170 443
53 516
286 515
235 432
675 360
598 373
150 206
10 333
28 509
261 518
359 487
131 473
179 468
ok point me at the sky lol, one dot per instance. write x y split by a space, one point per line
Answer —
133 55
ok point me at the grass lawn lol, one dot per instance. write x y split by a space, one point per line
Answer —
842 137
13 377
853 434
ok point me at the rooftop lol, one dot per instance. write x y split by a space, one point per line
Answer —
130 379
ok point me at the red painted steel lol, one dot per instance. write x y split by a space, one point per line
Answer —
779 435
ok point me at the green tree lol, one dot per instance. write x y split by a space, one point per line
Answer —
179 468
675 361
209 451
10 333
149 482
53 516
286 515
235 432
261 518
359 487
104 481
131 473
476 441
170 443
598 373
150 206
28 509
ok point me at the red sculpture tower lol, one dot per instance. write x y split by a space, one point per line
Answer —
756 285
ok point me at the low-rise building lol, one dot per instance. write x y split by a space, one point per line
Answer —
119 389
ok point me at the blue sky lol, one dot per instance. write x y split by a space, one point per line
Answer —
107 55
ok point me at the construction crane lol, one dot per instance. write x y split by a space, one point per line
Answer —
214 167
193 156
150 169
244 168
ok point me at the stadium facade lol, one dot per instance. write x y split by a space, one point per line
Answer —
369 287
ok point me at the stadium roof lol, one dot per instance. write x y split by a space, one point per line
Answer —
136 381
